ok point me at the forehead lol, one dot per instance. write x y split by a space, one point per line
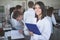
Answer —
37 5
21 15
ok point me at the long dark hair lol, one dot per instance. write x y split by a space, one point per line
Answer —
42 6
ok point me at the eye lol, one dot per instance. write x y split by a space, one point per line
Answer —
39 8
34 8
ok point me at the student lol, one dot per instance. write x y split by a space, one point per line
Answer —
30 13
51 15
17 17
52 19
17 8
42 23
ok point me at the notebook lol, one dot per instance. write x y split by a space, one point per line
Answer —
33 28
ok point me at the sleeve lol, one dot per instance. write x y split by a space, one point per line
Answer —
26 31
25 16
15 26
53 19
46 33
47 30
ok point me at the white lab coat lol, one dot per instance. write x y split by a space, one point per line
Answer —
31 20
30 13
15 34
45 28
50 19
53 19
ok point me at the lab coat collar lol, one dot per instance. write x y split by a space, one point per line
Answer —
15 20
41 19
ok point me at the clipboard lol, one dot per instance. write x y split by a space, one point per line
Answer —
33 28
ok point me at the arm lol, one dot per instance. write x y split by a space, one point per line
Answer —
53 19
26 31
47 30
25 16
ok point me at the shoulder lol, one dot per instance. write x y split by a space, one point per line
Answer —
26 11
30 10
47 23
13 21
46 19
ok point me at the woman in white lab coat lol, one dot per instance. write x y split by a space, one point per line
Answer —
42 23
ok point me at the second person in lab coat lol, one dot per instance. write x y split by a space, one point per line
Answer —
42 23
17 27
30 13
51 15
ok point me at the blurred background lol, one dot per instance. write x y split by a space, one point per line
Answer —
5 5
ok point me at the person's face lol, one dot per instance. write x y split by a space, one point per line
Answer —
20 17
38 10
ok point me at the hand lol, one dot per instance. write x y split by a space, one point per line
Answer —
31 33
57 26
20 31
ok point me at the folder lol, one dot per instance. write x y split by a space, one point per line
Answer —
33 28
